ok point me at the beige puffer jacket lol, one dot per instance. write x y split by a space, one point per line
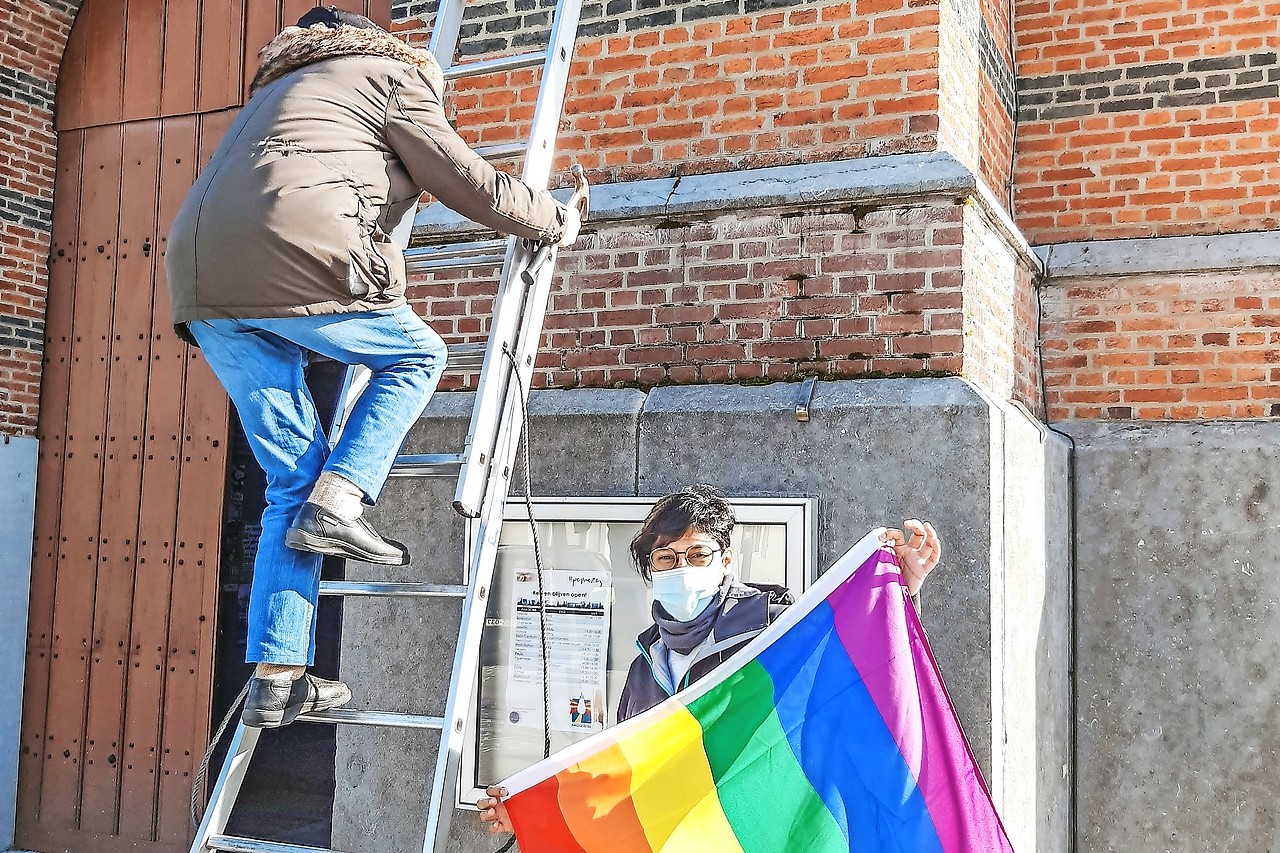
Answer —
343 131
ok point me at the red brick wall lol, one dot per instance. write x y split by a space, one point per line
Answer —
1000 332
996 94
1147 118
764 297
809 83
742 298
892 292
31 42
1163 347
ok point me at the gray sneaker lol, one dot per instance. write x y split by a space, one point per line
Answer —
276 702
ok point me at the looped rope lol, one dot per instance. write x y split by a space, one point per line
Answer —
197 789
537 560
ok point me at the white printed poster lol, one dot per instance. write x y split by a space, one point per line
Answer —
577 642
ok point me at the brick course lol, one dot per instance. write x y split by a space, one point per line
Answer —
999 328
800 85
1163 347
740 298
1147 119
752 297
31 44
702 87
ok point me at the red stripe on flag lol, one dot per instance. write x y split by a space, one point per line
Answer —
539 824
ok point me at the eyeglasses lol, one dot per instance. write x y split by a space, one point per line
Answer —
699 556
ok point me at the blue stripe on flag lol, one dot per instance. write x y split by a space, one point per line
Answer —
840 739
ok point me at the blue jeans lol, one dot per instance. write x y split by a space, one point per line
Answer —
260 364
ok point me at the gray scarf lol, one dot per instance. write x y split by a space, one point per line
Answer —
684 637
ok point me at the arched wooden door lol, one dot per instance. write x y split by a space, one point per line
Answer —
132 431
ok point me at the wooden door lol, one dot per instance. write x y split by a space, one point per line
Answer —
132 431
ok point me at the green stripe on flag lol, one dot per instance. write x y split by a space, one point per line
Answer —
769 802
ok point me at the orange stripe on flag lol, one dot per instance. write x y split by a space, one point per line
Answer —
595 797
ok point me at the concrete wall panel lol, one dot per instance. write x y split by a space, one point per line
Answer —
874 452
17 512
1031 600
1179 633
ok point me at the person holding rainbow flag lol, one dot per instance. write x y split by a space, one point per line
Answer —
702 613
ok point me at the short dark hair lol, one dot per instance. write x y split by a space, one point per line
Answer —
333 17
699 507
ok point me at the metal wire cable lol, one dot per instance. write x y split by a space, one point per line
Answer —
537 555
537 560
197 789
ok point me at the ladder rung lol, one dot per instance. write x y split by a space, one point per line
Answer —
427 465
252 845
464 358
456 263
385 719
492 66
409 590
456 255
502 150
455 250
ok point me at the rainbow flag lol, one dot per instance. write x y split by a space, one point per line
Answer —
830 731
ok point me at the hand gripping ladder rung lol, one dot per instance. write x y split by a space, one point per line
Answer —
484 466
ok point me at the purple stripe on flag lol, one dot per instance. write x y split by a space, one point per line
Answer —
883 637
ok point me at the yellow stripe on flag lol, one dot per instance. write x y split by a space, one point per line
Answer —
672 789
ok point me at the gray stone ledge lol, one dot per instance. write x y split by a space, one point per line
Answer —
942 392
546 402
896 179
1259 250
946 392
550 402
1174 435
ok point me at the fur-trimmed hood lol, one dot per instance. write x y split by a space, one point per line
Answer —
296 47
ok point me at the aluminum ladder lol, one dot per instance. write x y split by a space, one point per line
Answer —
484 466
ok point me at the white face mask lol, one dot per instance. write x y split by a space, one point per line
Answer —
687 591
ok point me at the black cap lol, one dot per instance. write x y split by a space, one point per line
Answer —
333 17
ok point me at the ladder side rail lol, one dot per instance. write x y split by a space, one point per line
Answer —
492 387
445 32
537 172
524 350
227 788
485 533
484 554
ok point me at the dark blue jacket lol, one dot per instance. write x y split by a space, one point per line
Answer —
745 611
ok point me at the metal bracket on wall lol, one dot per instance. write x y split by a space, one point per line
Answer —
804 398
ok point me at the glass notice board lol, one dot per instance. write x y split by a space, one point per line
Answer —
596 605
